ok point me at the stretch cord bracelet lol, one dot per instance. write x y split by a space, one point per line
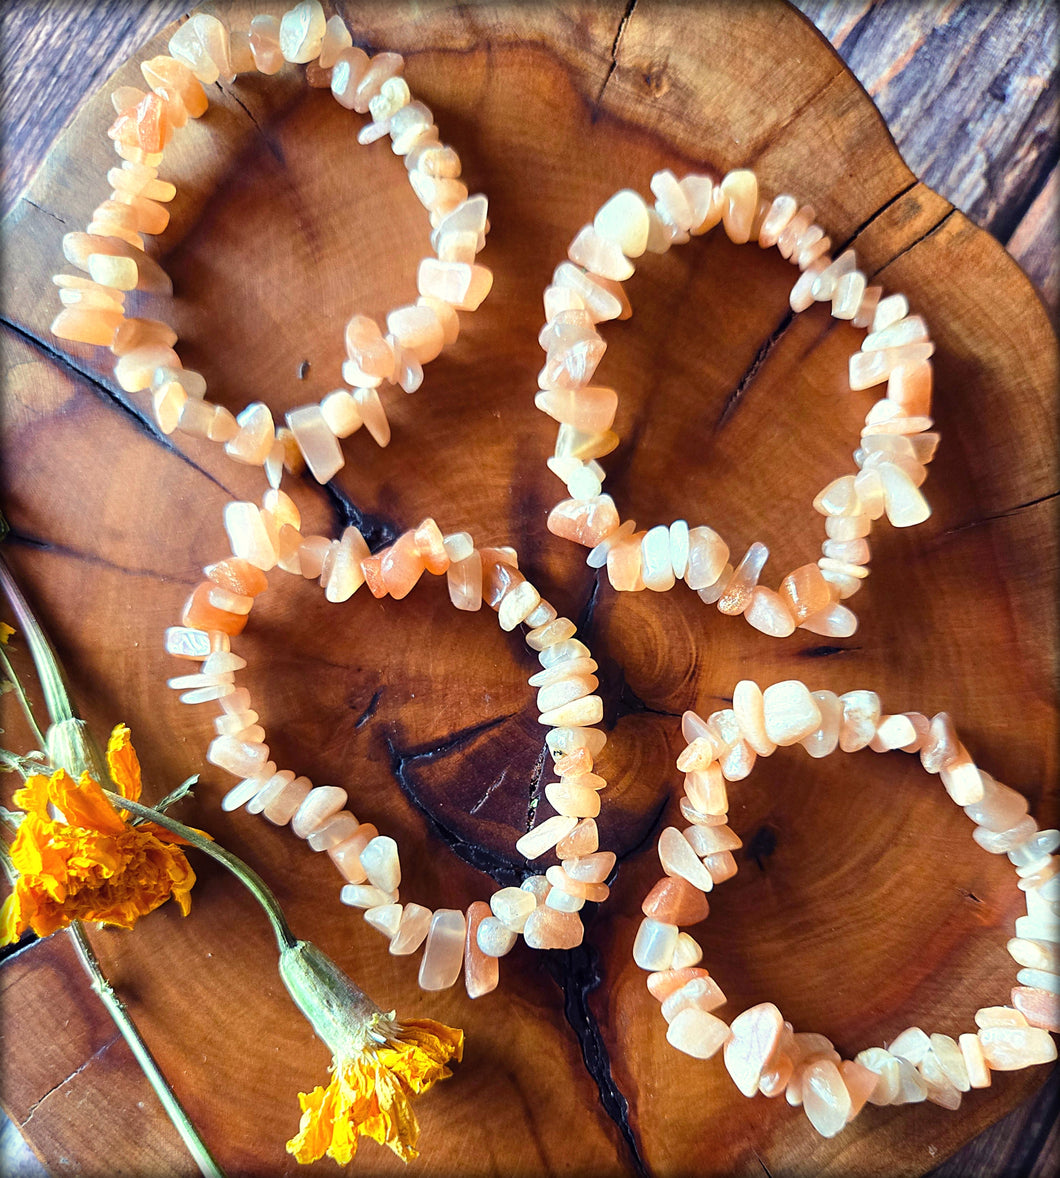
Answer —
545 908
762 1052
112 250
895 442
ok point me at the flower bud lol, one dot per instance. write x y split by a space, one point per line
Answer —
341 1014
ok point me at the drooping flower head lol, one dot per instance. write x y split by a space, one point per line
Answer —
88 862
378 1064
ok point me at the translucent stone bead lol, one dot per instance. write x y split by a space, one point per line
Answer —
912 1087
461 285
545 836
264 41
333 830
705 790
962 779
654 946
302 30
248 535
950 1059
319 446
481 970
699 993
885 1067
1007 1049
600 254
860 1084
1040 1007
904 503
493 938
93 325
562 741
1039 979
134 371
572 800
678 858
769 613
697 1033
1000 808
736 596
386 918
656 567
755 1034
624 560
861 714
240 758
282 806
687 952
443 954
202 44
347 855
671 201
594 868
274 785
624 220
849 295
585 711
912 1044
547 928
791 713
248 788
380 859
512 906
974 1061
825 1097
517 605
892 732
739 190
365 896
749 709
586 522
998 842
319 805
411 930
824 740
999 1016
560 880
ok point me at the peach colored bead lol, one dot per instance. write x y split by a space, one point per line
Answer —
583 839
347 855
586 522
697 1033
755 1034
481 973
285 804
675 901
200 613
318 806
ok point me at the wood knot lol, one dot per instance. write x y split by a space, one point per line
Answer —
656 80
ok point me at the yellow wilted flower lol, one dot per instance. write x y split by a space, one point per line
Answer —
89 863
378 1064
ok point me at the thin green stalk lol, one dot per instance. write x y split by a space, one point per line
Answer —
123 1021
246 875
16 686
56 695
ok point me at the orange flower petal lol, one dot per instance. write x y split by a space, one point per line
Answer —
123 763
83 803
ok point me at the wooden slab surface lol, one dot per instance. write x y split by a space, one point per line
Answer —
873 909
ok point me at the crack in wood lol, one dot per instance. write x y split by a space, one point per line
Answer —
765 350
1006 513
15 536
623 21
875 216
826 651
378 531
577 973
913 244
142 422
370 710
501 869
97 1054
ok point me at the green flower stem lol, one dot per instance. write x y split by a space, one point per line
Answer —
246 875
123 1021
56 695
16 686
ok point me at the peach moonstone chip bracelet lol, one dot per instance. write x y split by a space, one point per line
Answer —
111 252
762 1052
896 441
545 908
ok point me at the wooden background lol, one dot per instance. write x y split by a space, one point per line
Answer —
967 90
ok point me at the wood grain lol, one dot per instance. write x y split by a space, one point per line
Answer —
869 879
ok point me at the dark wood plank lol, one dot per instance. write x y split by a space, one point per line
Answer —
970 93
